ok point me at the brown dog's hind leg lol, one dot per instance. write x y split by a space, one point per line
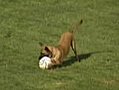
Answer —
73 46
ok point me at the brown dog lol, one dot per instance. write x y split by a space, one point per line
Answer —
58 53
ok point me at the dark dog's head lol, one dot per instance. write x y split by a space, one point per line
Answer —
45 51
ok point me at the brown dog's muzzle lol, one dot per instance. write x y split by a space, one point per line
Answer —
42 55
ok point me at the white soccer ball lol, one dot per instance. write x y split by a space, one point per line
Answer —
45 62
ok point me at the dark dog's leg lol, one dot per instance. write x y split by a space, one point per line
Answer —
73 46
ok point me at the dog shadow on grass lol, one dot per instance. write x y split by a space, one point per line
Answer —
82 57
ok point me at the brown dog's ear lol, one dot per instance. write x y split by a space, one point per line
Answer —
47 49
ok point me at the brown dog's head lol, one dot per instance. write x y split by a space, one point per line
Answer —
45 51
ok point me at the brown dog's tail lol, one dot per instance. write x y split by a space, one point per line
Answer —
76 26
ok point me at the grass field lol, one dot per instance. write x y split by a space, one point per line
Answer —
25 23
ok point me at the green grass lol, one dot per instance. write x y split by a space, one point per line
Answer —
25 23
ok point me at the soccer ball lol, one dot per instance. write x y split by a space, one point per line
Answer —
45 62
